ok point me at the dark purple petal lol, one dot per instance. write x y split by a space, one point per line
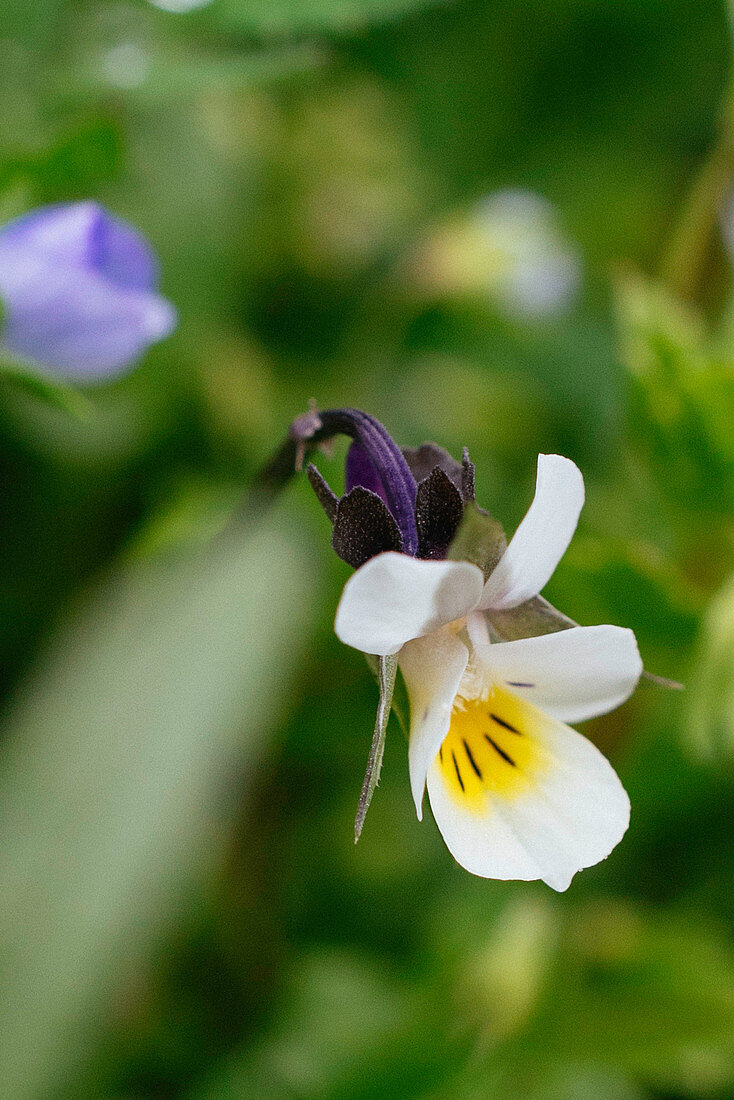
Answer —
390 467
361 472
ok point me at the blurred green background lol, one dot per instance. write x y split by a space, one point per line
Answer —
499 223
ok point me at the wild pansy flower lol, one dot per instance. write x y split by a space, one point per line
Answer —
493 672
79 291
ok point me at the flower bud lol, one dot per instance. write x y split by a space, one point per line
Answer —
79 291
375 467
410 501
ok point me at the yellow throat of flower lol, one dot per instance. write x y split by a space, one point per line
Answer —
493 748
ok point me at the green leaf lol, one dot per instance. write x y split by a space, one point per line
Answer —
338 1015
480 540
123 766
285 17
196 512
386 670
50 391
32 23
166 81
711 711
663 985
646 990
79 161
681 397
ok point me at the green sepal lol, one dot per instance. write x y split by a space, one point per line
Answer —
530 619
386 671
480 540
400 700
401 704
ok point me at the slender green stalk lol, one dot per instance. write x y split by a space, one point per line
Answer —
686 259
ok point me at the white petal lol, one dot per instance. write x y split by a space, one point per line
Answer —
542 538
483 844
393 598
566 812
573 674
582 800
432 668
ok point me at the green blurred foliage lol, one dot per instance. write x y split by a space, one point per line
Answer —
712 698
288 17
184 912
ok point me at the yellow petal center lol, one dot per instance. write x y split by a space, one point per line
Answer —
492 748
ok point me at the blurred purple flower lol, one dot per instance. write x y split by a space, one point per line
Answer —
78 290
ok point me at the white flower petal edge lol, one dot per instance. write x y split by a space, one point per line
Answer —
542 537
393 598
432 668
573 674
571 816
